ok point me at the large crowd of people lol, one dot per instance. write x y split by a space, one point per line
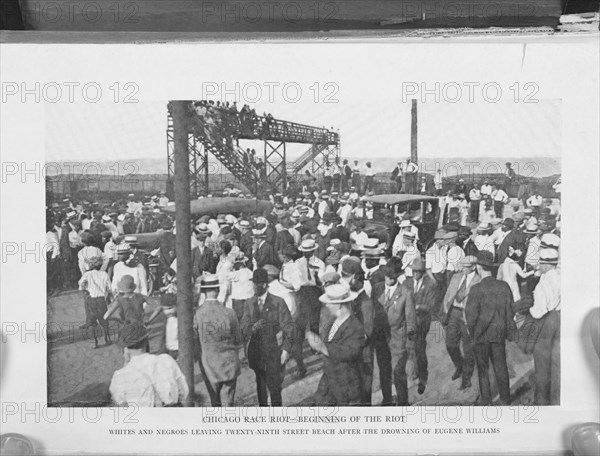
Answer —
309 274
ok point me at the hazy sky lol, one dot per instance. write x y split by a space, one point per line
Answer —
368 128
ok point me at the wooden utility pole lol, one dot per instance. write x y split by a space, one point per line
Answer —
411 180
413 133
183 246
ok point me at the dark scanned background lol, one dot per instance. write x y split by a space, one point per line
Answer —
282 15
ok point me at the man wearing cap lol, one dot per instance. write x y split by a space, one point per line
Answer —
219 338
490 323
424 290
265 315
146 380
546 311
246 240
454 321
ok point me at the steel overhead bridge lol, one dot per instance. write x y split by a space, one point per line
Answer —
218 134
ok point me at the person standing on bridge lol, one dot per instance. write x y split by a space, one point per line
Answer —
356 176
327 175
337 175
346 175
369 178
490 323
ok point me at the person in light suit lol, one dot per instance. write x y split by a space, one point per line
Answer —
424 289
490 324
397 300
217 329
455 323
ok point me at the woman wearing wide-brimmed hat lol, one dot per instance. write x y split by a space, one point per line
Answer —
341 343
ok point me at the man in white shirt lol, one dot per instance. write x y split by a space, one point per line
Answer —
410 170
358 237
323 205
486 189
437 182
163 201
500 198
399 244
535 203
475 197
134 207
454 254
146 380
87 252
344 211
483 239
546 351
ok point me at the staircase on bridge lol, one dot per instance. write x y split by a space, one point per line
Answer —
221 142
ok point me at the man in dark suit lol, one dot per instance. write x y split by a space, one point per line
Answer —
264 251
341 342
490 323
204 256
397 300
166 247
397 177
265 316
246 241
424 290
456 329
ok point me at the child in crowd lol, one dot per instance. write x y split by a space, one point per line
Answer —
130 305
96 287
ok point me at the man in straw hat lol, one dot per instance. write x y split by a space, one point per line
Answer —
424 289
204 255
490 323
219 338
310 268
242 287
546 310
455 300
266 315
146 380
341 342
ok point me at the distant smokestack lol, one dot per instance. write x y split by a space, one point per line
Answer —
413 133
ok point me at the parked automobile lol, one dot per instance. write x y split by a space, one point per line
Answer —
388 210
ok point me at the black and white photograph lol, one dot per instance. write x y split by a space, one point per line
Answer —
347 260
301 245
